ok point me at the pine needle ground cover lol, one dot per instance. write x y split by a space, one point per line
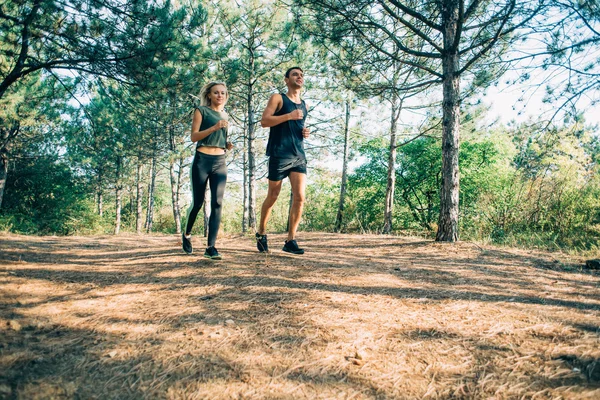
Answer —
356 317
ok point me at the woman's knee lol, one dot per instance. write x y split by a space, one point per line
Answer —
216 204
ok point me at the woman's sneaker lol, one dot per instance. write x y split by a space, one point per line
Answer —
291 246
212 253
261 243
187 243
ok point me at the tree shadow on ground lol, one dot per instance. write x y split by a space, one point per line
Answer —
122 329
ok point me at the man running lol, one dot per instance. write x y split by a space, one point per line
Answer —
285 115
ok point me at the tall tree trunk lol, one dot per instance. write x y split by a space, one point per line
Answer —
3 171
175 177
448 220
251 155
100 203
99 191
245 185
175 195
340 214
139 211
7 134
180 173
391 173
118 195
131 199
151 187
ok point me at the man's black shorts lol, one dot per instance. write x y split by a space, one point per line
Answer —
281 168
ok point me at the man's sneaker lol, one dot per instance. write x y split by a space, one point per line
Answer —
212 253
187 243
261 243
291 246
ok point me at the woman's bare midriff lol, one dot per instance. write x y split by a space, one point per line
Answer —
213 151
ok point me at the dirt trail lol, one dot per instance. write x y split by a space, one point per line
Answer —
356 317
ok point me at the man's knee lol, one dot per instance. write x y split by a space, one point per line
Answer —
273 194
271 198
298 198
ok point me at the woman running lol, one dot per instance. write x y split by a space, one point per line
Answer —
209 131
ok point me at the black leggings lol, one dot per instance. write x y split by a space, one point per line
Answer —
211 169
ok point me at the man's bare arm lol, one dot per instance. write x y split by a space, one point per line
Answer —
269 118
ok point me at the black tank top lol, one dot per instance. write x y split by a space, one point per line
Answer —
286 140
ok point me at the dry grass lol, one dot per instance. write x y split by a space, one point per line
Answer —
357 317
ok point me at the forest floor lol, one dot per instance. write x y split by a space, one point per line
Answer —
356 317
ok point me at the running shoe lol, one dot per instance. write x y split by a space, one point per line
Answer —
291 246
187 243
212 253
261 243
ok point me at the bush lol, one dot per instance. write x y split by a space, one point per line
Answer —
43 196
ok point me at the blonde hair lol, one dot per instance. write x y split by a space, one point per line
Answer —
205 91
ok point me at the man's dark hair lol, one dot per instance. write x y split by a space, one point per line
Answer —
287 73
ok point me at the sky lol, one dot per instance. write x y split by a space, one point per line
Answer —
506 107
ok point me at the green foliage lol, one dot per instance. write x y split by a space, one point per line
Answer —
320 208
44 197
366 189
121 40
547 196
418 183
527 185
